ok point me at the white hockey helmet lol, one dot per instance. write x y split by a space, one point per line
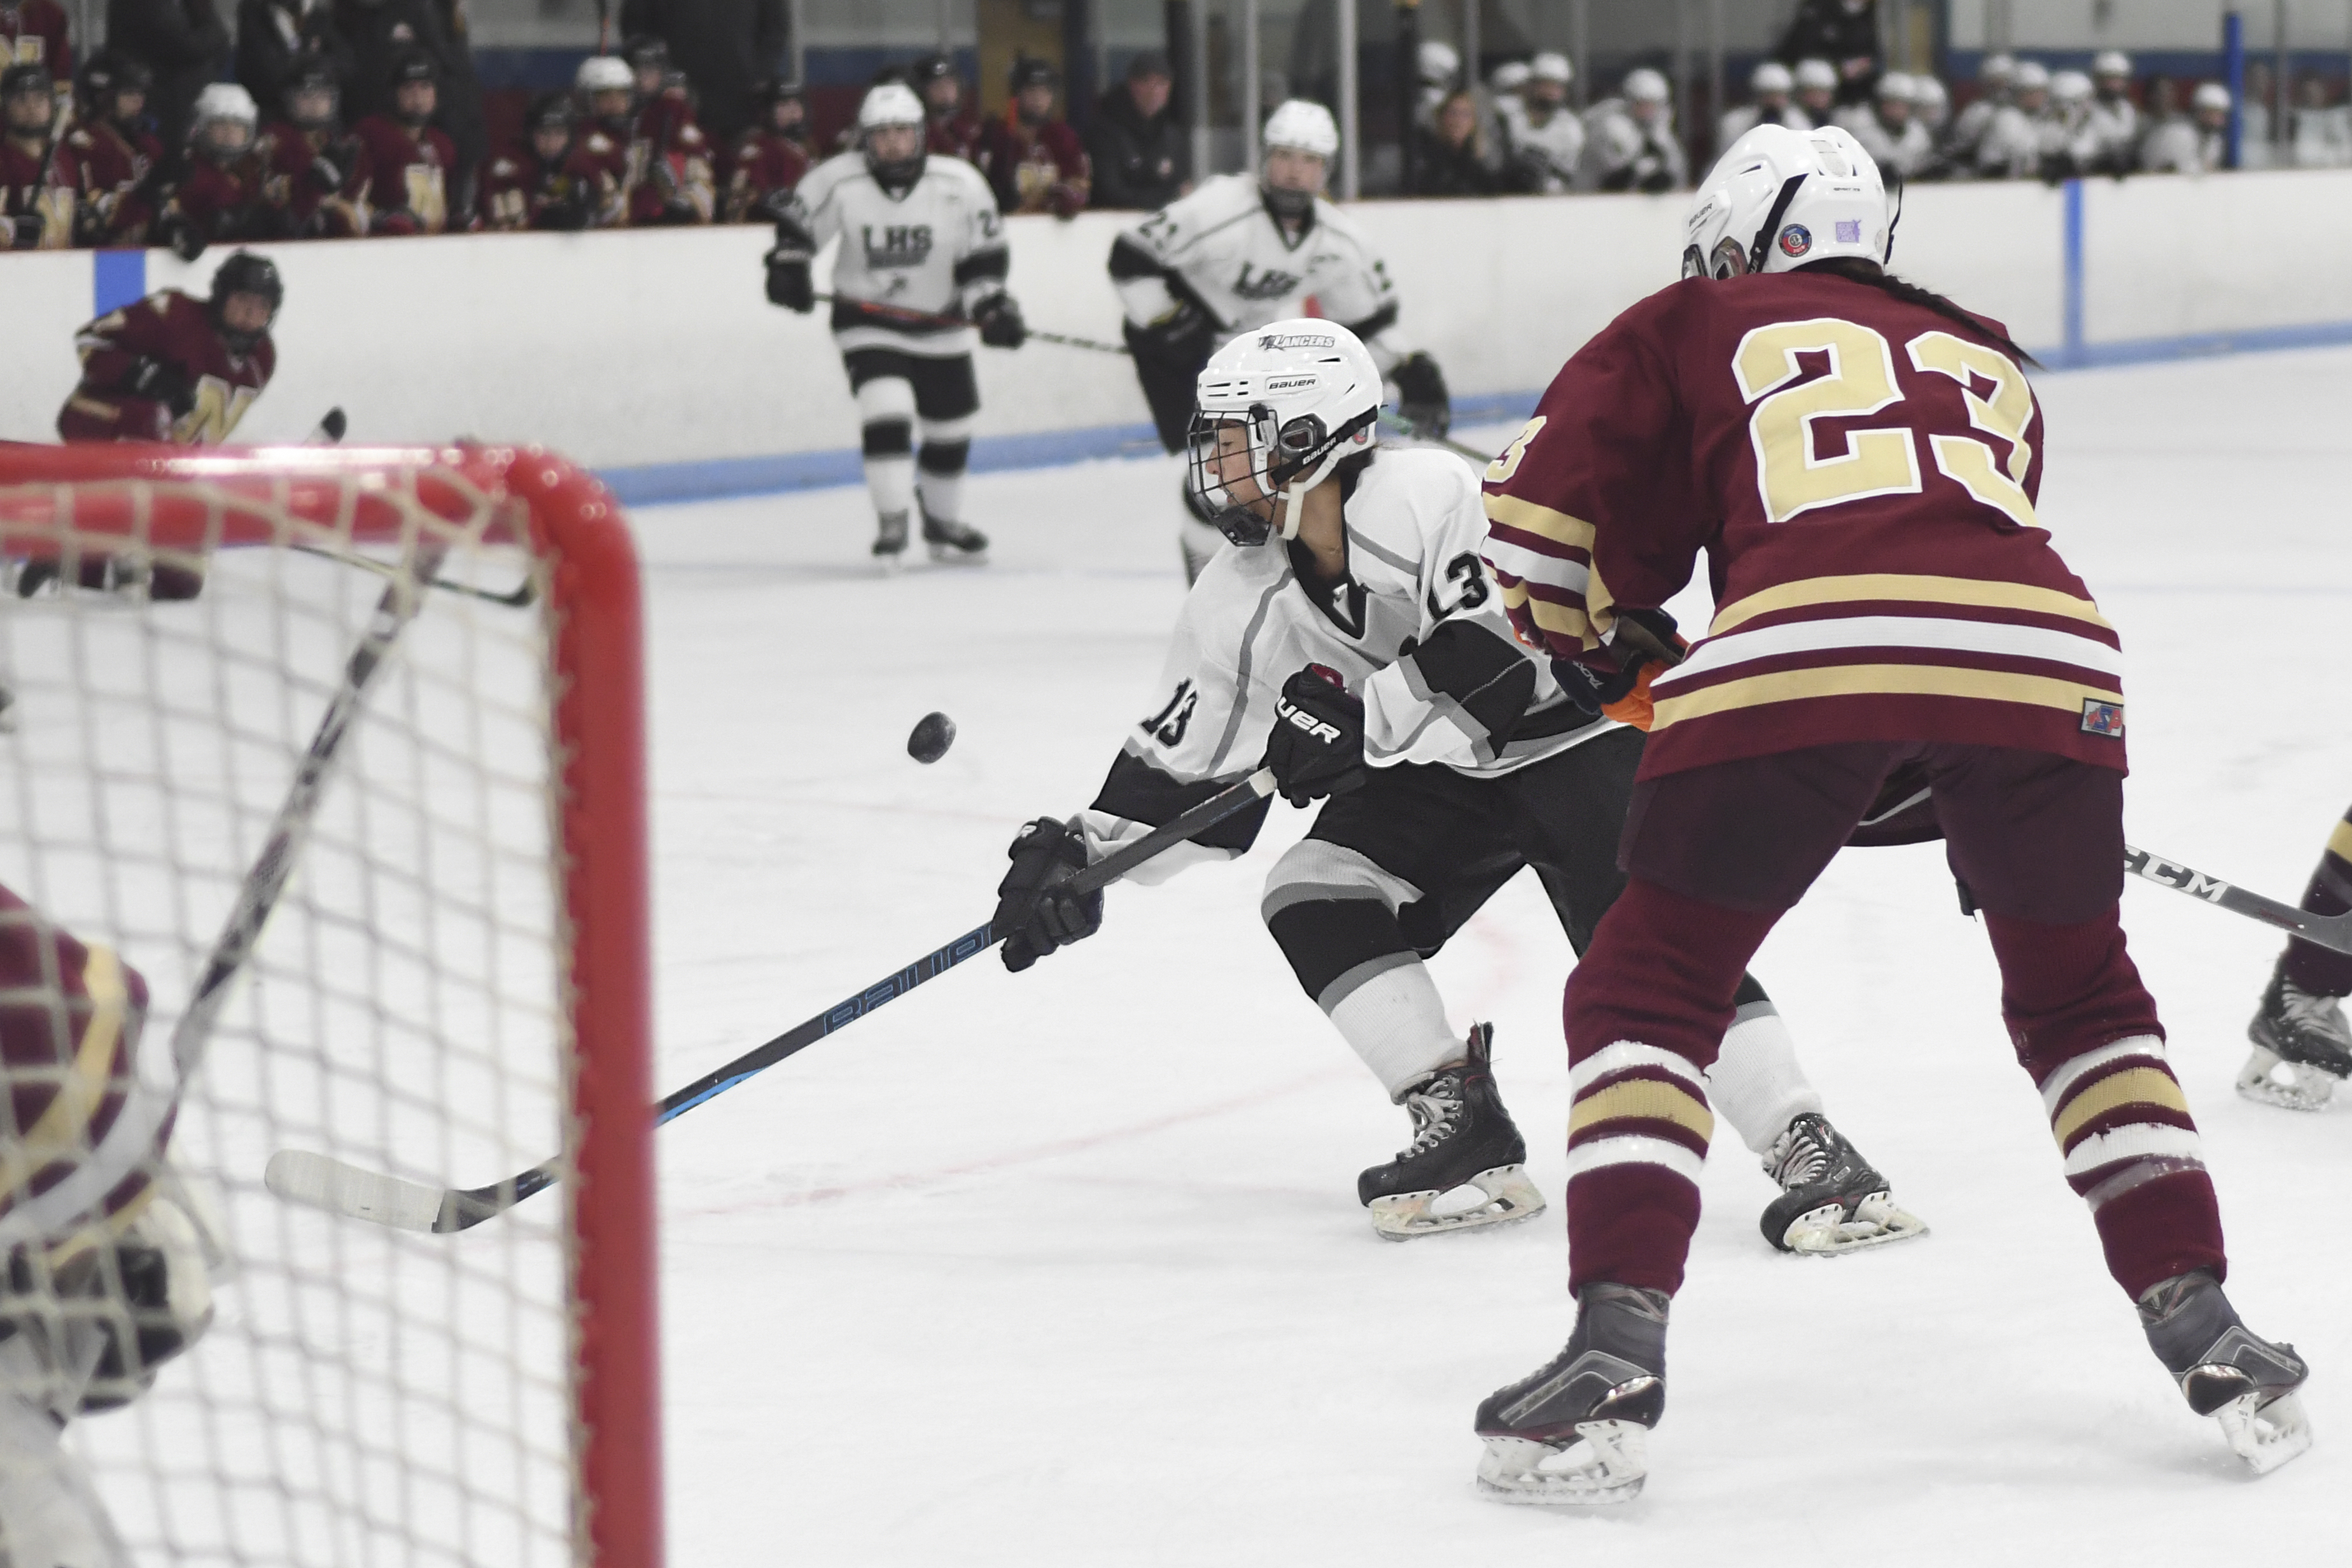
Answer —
1771 76
1552 66
1928 95
1439 63
1782 198
2210 95
2031 75
225 100
604 73
1510 75
1899 86
1997 71
1817 75
2070 87
1302 125
2112 63
1306 394
891 103
1643 85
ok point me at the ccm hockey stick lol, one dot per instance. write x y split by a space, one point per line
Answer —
2328 930
329 1184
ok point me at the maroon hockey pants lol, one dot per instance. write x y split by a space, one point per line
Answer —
1716 854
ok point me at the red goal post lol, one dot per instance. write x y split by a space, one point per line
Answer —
297 542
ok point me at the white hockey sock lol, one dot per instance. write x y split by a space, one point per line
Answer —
891 482
1396 1022
1756 1083
943 495
886 407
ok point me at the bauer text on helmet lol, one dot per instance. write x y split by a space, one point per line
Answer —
1782 198
1277 411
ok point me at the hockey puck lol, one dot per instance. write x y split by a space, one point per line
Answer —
931 737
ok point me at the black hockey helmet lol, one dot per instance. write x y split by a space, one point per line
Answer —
1029 71
933 68
105 76
245 273
643 51
25 81
313 72
413 65
551 111
769 93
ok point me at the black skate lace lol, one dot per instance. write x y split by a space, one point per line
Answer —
2318 1014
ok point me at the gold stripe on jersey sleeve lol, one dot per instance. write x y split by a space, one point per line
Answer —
1641 1100
2139 1086
61 1131
1879 680
2339 843
1973 591
1560 620
1512 511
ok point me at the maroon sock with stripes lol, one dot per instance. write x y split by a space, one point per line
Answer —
1647 1008
2086 1030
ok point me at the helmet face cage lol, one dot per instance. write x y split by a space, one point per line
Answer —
1277 456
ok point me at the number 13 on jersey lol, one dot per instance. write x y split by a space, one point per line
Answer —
1794 475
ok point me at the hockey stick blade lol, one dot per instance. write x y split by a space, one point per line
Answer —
329 1184
2327 931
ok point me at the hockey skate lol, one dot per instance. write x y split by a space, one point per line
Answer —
890 540
953 541
2228 1371
1576 1432
2302 1046
1462 1138
1831 1200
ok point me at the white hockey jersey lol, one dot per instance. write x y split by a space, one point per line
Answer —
1906 151
1464 694
1221 246
934 250
1547 154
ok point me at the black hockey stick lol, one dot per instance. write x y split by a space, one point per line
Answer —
2328 930
933 318
1390 420
326 1183
521 598
329 432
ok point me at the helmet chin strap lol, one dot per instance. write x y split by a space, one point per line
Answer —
1291 509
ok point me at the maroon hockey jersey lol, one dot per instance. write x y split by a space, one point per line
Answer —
105 169
1034 169
669 170
519 191
35 33
403 184
171 328
31 187
766 167
225 202
1861 473
311 175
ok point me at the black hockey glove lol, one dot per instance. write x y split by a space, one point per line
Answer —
1421 396
1317 744
164 382
1034 905
1000 324
1184 333
788 267
24 231
1640 644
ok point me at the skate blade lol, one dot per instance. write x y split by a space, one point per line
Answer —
889 565
1828 1231
1506 1197
2265 1435
1605 1465
948 555
2304 1088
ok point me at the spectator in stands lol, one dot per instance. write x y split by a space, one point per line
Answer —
676 184
407 164
770 158
182 43
1817 85
1996 81
1768 87
538 183
951 129
1630 143
36 207
1845 34
109 158
313 160
272 35
35 33
2319 136
2254 150
725 48
1546 139
379 32
1034 161
1450 156
2012 148
1896 142
2192 144
2116 126
220 196
1142 158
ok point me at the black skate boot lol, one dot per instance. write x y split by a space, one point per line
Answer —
890 540
2302 1034
953 541
1831 1200
1576 1432
1462 1137
2227 1371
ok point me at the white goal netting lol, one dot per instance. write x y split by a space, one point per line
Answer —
354 1393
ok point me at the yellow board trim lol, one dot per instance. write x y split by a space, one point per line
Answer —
1972 591
1645 1099
1879 680
62 1130
1512 511
2140 1086
2339 843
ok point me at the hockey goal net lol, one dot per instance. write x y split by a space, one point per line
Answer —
449 987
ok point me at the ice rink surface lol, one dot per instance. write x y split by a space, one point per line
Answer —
1066 1268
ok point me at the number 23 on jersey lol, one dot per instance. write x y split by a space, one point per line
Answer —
1794 475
